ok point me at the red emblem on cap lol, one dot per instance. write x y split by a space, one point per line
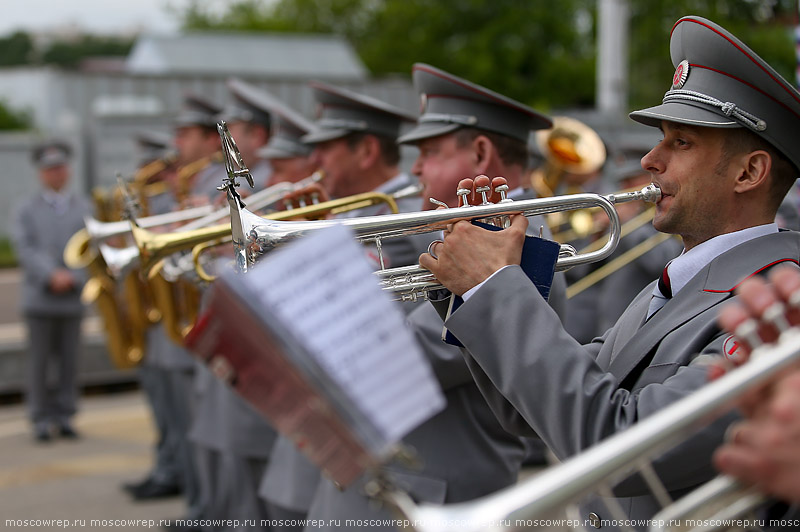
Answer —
681 73
730 347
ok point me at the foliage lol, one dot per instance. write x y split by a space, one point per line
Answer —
538 51
10 119
16 49
7 258
70 54
764 25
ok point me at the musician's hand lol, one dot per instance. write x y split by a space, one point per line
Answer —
470 254
755 296
310 195
765 450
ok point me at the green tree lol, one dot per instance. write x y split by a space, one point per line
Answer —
16 49
764 25
70 54
11 120
525 49
537 51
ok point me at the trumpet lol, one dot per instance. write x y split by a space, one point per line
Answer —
254 236
95 232
122 260
620 456
154 247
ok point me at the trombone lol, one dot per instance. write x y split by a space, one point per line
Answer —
620 456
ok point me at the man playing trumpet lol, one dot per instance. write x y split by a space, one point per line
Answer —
727 159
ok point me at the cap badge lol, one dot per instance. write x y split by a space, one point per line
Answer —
423 102
681 73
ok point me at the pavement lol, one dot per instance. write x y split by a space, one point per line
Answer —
80 481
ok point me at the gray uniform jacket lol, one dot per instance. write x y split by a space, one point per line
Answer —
538 378
464 451
40 234
291 480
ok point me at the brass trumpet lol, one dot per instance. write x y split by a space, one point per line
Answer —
153 247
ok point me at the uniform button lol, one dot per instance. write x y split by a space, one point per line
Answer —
594 520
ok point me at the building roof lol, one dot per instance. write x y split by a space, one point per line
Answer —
280 55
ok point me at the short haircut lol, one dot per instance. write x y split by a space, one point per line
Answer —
510 150
784 173
390 151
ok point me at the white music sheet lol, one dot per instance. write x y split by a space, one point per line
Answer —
322 288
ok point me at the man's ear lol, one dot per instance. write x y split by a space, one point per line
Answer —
755 169
370 151
483 153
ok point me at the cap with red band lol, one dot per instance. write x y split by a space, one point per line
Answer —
720 82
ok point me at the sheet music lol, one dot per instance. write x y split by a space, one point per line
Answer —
323 289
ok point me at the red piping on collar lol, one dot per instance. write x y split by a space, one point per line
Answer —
751 275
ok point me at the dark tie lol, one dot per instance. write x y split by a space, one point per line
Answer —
664 284
665 288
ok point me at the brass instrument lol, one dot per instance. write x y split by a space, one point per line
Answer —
124 336
254 236
153 247
569 147
553 491
77 251
623 260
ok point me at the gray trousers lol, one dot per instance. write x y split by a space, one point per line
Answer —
179 412
240 477
52 367
166 470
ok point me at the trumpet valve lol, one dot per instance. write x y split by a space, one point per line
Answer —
503 190
483 191
463 196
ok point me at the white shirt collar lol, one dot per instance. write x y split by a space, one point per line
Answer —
393 184
689 263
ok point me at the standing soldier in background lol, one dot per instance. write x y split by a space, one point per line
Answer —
51 292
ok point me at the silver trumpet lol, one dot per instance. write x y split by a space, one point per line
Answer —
253 236
549 494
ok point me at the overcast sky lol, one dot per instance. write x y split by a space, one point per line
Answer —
95 16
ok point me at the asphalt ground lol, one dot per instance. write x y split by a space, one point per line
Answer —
79 482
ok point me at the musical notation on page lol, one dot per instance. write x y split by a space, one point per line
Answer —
312 342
